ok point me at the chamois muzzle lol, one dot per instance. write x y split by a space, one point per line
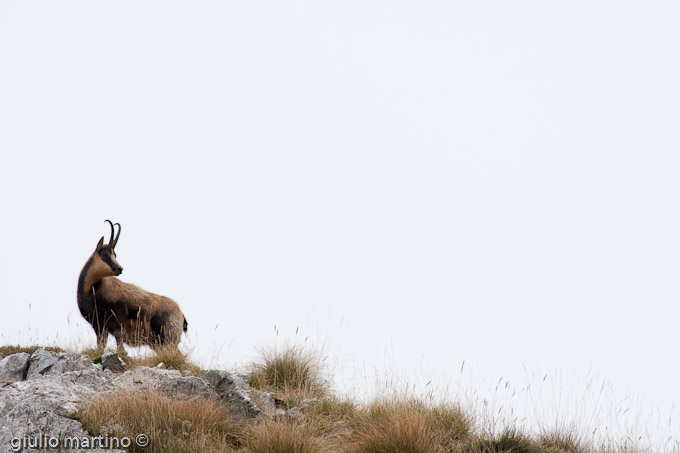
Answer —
115 266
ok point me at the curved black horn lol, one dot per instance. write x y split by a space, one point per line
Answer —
110 223
115 241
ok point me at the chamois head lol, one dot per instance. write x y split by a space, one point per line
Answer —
105 255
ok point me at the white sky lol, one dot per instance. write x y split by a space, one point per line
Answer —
410 184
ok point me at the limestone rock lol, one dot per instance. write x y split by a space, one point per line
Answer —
112 361
49 363
44 408
42 391
230 388
265 401
13 367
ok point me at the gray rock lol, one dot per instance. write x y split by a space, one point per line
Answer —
112 361
49 363
13 367
245 378
307 402
226 387
265 401
145 378
41 408
294 412
186 385
230 389
42 392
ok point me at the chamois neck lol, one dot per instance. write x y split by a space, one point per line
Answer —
90 275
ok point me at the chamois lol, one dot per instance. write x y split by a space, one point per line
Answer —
133 316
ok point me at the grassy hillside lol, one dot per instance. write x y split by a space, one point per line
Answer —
323 421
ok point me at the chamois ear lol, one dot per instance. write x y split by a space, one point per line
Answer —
100 244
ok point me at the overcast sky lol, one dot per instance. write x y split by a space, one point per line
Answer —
409 185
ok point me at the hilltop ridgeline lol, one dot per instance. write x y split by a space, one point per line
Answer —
40 392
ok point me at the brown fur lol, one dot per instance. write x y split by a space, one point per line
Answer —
137 330
132 315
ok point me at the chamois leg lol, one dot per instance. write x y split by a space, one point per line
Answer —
102 338
117 334
159 324
102 333
100 328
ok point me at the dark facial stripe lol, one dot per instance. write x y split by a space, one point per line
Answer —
106 255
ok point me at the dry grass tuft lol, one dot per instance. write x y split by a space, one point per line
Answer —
171 423
95 354
172 357
408 425
294 374
15 349
284 436
561 442
509 440
399 434
332 408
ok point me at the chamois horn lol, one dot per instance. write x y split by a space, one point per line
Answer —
115 241
112 241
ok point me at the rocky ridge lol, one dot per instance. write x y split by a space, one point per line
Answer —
40 392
